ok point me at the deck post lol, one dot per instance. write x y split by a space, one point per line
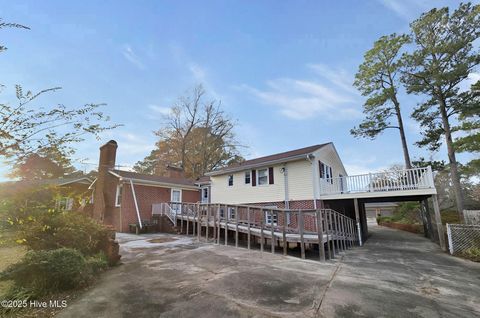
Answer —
332 232
321 248
248 229
272 232
357 219
284 232
214 226
301 229
344 232
225 213
188 224
438 221
261 233
217 237
207 225
327 231
194 222
181 220
236 226
199 219
337 232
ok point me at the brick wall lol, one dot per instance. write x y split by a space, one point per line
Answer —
146 196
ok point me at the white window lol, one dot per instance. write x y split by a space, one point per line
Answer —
65 203
231 213
271 217
176 195
222 213
326 172
230 180
247 177
118 196
205 195
262 176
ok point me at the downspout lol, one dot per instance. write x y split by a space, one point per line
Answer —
136 204
287 199
309 158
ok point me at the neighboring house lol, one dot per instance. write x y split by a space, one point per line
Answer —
291 179
71 193
380 209
123 197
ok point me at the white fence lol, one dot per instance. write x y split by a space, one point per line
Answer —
471 217
462 237
407 179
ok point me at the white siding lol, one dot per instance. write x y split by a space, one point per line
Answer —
303 181
328 155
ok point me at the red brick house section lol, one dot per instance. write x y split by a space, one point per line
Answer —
149 190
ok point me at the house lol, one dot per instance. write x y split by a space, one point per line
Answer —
124 197
380 209
69 193
290 180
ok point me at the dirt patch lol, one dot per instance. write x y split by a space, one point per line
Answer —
162 240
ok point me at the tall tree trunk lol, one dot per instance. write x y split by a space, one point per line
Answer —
455 176
406 155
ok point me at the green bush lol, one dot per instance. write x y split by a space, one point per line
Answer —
53 229
472 253
97 263
42 272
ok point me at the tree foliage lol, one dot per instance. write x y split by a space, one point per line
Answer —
378 79
443 58
28 132
197 135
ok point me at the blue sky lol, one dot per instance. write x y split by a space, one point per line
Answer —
282 69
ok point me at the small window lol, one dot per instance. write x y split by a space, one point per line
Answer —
230 180
231 213
118 197
262 176
205 193
271 218
222 213
247 177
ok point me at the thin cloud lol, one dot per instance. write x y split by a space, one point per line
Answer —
160 109
339 77
407 9
304 99
132 57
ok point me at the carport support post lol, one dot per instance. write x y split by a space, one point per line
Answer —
438 221
357 219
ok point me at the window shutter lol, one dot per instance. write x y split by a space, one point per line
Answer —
270 175
320 167
254 178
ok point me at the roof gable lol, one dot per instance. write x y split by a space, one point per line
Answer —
278 157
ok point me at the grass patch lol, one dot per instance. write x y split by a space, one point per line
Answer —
9 255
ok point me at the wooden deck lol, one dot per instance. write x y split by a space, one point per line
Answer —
330 231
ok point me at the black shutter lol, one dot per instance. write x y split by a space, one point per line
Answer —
320 167
270 175
254 178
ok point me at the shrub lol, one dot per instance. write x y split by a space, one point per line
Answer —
473 253
53 229
97 263
42 272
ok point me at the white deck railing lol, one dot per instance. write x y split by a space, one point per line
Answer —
397 180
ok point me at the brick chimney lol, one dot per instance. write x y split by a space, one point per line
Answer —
174 172
105 186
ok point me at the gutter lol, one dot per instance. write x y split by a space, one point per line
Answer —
136 204
261 164
309 158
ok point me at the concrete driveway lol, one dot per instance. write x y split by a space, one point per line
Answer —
396 274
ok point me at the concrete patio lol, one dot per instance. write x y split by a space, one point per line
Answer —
396 274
